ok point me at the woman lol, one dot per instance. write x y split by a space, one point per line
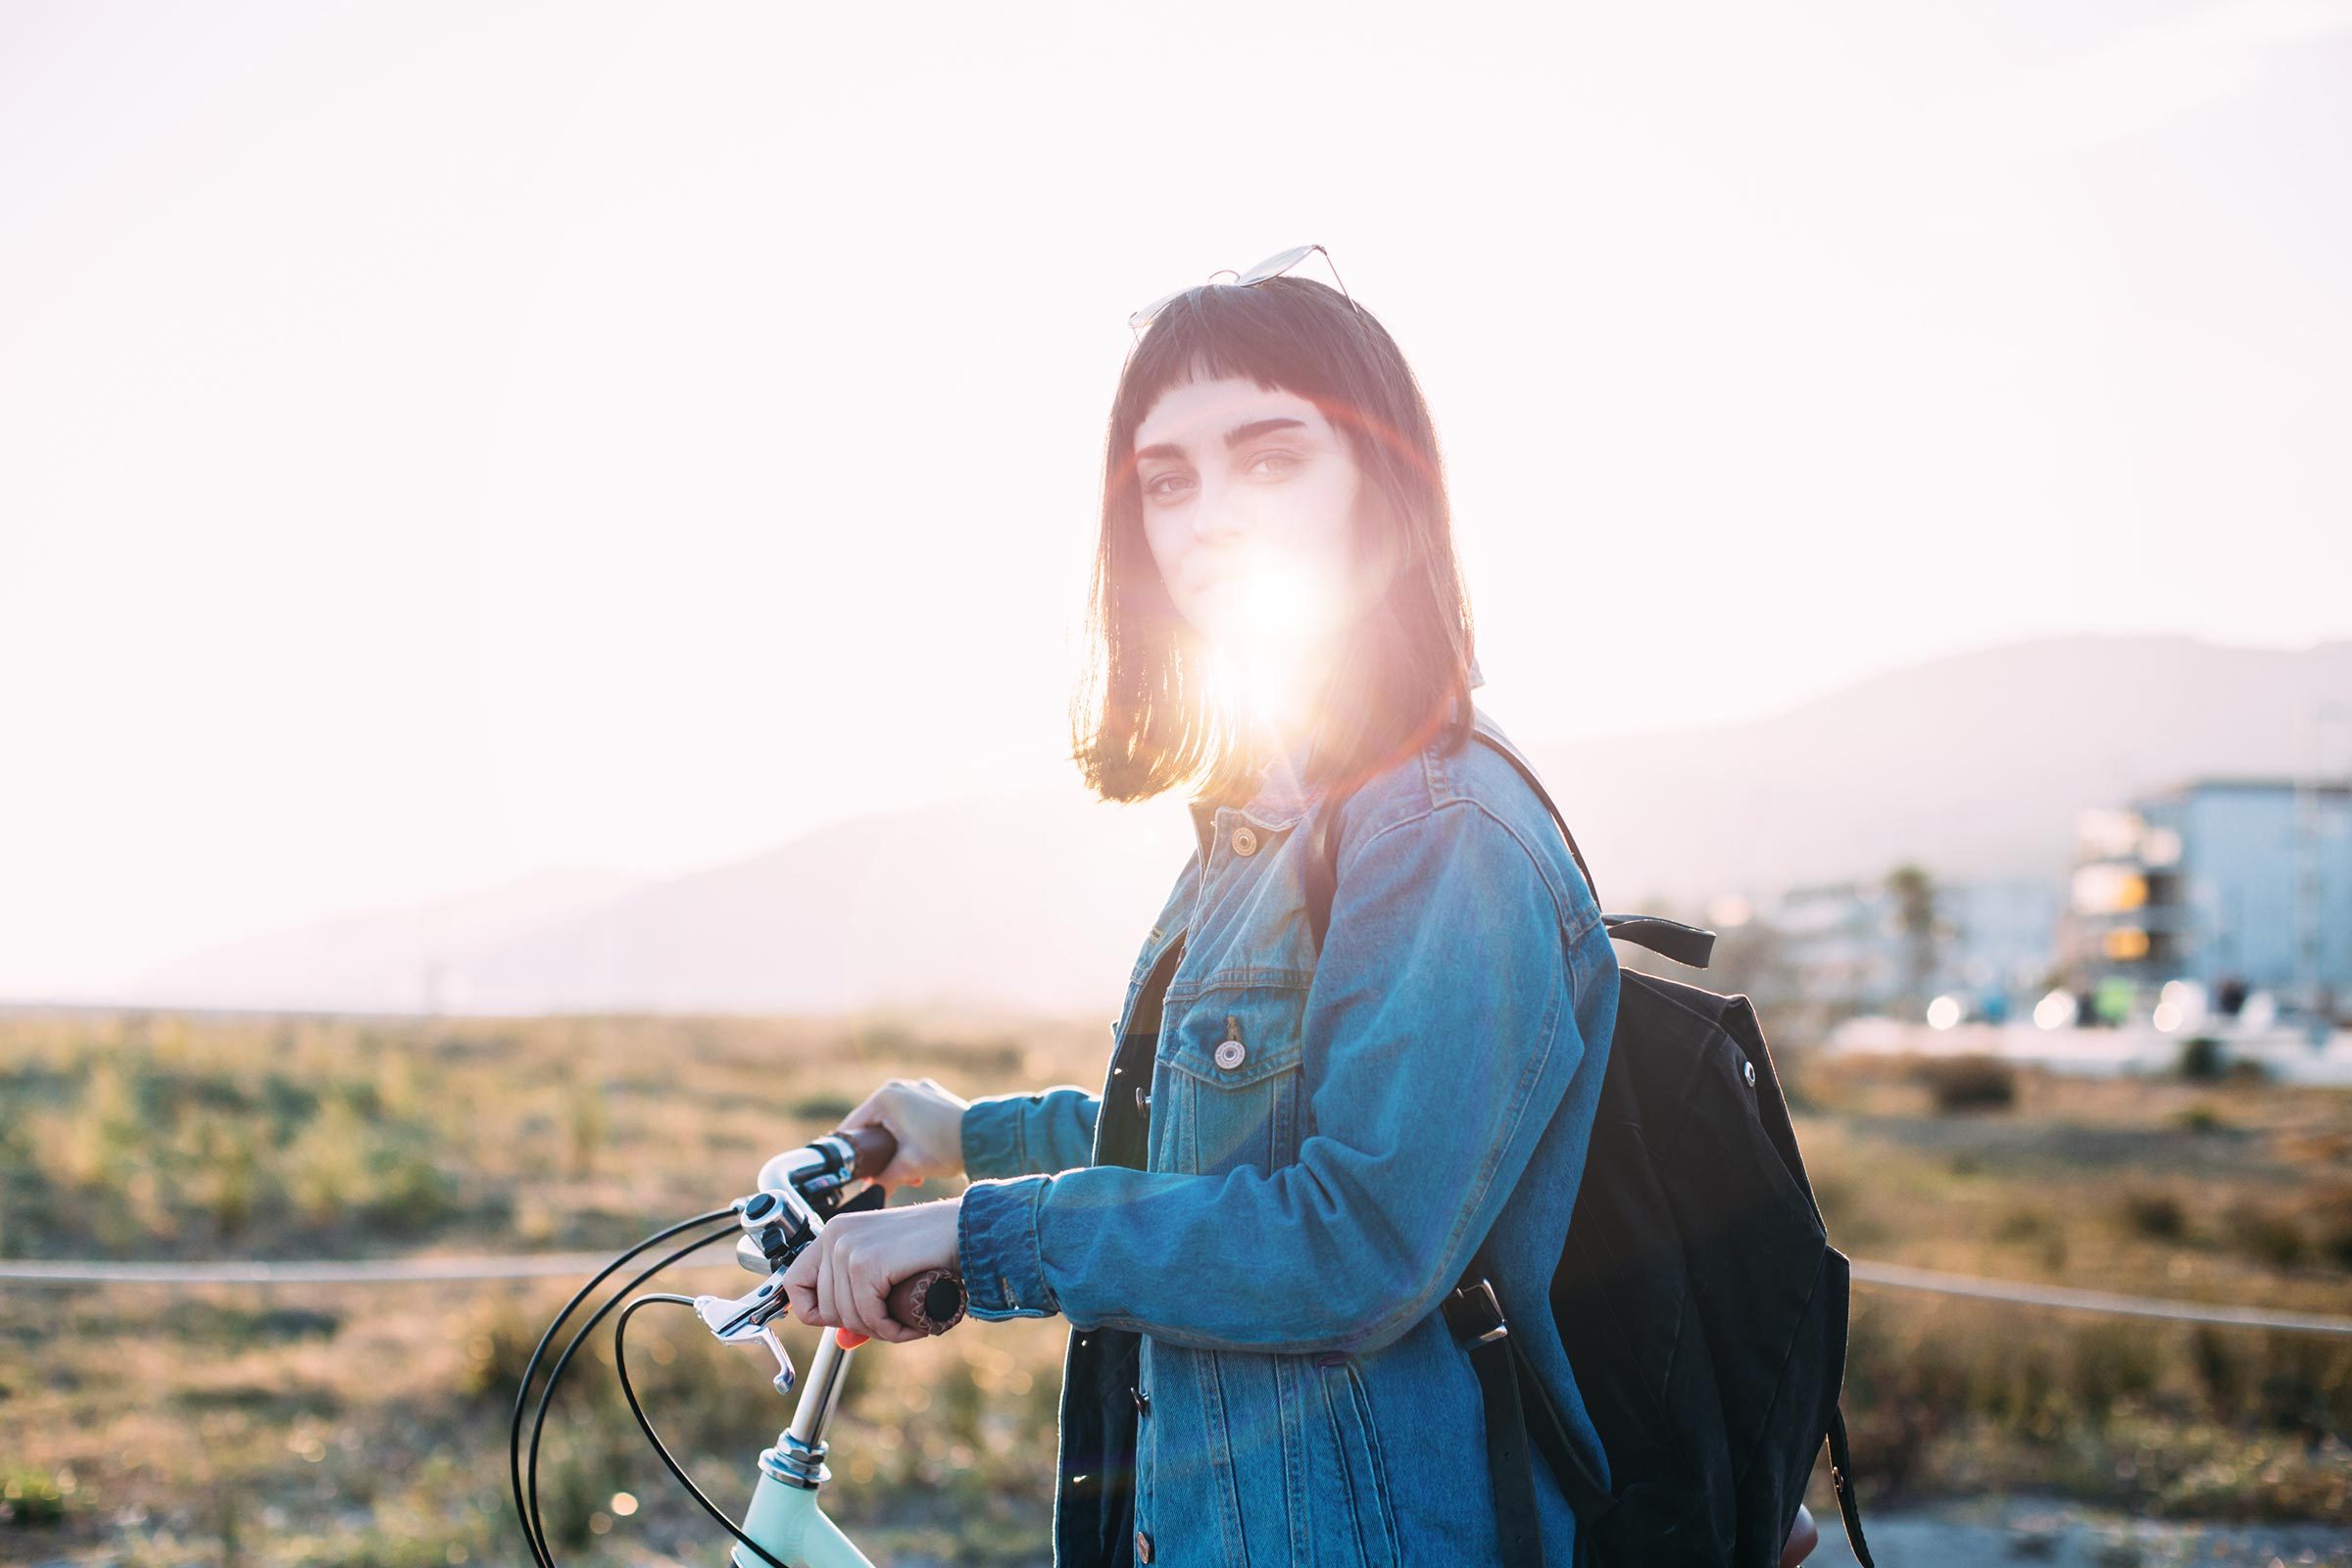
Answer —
1252 1228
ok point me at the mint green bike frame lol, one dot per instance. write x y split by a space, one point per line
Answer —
785 1516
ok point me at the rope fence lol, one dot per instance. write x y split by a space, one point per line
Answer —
579 1265
380 1271
1894 1276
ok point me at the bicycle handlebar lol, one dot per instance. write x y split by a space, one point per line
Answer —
797 1192
932 1301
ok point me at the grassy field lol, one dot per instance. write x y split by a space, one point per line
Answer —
299 1425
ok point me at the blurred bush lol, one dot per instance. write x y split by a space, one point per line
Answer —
1968 1083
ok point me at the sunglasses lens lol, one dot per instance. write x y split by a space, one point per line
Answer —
1272 267
1143 317
1276 265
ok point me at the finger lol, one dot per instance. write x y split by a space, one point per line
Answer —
800 1284
872 1283
879 1110
869 1109
831 1289
873 1297
856 1299
868 1278
851 1279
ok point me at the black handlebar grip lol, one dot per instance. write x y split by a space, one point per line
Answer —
871 1146
934 1300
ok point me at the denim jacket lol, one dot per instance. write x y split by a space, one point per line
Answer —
1257 1350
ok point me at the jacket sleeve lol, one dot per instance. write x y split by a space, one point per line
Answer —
1017 1135
1455 998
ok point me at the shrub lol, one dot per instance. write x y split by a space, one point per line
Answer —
586 1126
2331 1211
2268 1235
2200 1118
499 1347
2159 1216
2202 1058
31 1496
826 1108
1969 1083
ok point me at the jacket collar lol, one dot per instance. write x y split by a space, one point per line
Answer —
1283 794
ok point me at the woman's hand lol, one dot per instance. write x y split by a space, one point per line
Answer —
926 1119
843 1279
1803 1536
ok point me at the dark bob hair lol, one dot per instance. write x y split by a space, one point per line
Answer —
1142 720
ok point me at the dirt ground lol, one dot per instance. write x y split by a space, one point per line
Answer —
2030 1530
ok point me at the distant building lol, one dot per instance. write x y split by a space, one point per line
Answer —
2236 883
2000 957
1990 943
1842 944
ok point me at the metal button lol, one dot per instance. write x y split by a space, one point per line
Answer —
1142 1547
1230 1054
1244 841
1143 1401
1750 1068
1141 1100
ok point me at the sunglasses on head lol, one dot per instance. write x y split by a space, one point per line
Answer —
1272 267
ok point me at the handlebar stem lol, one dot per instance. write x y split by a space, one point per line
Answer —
801 1449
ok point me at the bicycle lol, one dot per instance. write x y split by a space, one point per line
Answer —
784 1526
797 1191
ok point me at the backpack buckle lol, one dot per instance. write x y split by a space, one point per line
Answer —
1474 1312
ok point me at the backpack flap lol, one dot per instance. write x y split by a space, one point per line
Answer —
1626 1302
1767 1291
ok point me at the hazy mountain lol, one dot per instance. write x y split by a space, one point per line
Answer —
386 961
1974 764
1036 900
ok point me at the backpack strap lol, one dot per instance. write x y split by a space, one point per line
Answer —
1527 771
1841 1476
1476 1316
1517 1406
1322 866
1687 945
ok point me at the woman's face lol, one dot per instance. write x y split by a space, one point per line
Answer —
1249 502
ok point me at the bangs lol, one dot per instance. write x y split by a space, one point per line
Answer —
1286 334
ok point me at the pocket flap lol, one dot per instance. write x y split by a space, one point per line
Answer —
1264 1023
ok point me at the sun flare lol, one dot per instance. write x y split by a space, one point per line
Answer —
1267 641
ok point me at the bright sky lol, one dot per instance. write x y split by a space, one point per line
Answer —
439 441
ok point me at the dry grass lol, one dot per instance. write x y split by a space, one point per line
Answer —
231 1425
2238 1194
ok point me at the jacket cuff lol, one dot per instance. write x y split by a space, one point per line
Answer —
992 1142
997 1250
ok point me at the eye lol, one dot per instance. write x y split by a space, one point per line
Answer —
1284 462
1153 487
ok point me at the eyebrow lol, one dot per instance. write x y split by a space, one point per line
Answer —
1233 437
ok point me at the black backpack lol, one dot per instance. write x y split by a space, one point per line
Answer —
1700 1302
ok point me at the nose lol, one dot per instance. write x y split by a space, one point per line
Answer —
1217 514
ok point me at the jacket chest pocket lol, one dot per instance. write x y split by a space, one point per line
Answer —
1230 1070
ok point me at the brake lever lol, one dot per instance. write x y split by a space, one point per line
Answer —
749 1317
